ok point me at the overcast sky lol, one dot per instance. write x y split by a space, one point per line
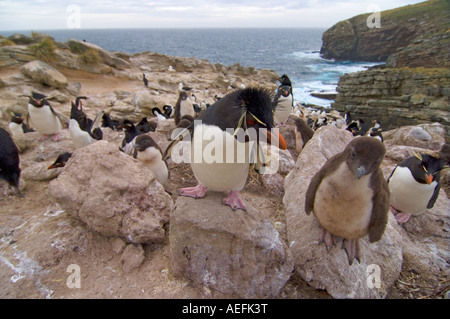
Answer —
52 14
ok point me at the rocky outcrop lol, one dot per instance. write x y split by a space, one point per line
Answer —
43 73
420 31
396 97
330 270
235 252
113 194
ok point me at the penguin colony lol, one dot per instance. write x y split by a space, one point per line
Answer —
348 196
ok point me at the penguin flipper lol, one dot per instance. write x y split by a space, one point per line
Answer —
311 191
96 131
64 121
435 195
380 208
178 138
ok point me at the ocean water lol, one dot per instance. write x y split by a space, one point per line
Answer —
294 52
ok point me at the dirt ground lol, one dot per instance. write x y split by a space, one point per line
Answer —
39 242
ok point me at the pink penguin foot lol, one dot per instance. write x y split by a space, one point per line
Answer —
234 200
327 238
401 217
44 137
198 191
351 247
56 137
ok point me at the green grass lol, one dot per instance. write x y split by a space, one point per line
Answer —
44 50
90 56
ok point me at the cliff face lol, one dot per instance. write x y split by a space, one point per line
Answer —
420 32
397 97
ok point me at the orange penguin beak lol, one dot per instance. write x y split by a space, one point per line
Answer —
429 178
281 141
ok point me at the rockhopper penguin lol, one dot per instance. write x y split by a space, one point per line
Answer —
43 117
222 132
350 197
84 131
414 185
9 160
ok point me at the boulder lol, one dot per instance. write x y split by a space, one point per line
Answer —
113 194
331 270
429 136
43 73
234 252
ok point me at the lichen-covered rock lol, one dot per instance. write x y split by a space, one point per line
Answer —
234 252
113 194
43 73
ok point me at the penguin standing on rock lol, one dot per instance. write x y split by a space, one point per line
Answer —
43 117
221 143
148 152
350 197
144 79
183 107
414 185
17 126
303 133
128 141
9 160
283 102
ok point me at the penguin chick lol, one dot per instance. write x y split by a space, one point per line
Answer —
9 161
184 106
414 185
241 111
43 117
61 160
148 152
350 197
303 133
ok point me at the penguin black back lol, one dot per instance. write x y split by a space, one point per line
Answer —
9 160
227 111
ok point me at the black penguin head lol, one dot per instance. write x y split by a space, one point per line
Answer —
16 118
128 126
426 168
284 90
183 95
258 111
38 100
284 80
61 160
364 155
143 142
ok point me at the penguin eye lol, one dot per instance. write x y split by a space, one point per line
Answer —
250 122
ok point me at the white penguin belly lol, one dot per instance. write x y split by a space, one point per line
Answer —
16 130
407 195
79 137
187 108
283 109
343 203
43 120
152 158
218 160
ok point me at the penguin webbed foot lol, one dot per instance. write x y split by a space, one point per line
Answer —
234 201
198 191
401 217
327 238
56 137
351 247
